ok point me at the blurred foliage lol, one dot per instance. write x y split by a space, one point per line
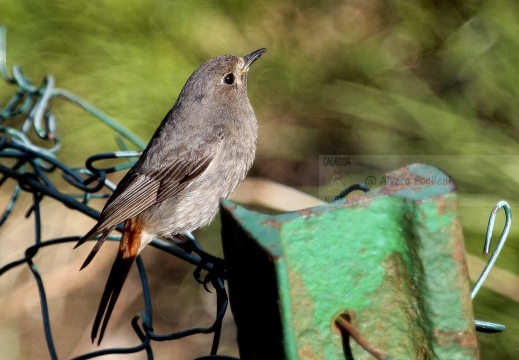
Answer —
357 77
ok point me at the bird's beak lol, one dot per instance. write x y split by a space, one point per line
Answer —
249 59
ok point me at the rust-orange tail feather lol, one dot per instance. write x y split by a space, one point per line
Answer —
128 251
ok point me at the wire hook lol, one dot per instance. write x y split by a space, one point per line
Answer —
482 325
488 239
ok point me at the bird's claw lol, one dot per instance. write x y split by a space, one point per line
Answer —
206 280
214 265
215 269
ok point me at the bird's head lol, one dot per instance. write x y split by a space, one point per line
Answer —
221 80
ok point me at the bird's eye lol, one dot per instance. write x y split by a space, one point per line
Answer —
229 79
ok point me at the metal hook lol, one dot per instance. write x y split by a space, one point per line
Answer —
482 325
488 239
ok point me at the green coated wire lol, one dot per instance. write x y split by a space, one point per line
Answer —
3 54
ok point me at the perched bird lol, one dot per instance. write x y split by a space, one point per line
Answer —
199 154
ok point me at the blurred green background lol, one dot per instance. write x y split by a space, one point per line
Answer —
416 80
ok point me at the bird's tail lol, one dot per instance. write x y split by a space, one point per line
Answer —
127 252
94 232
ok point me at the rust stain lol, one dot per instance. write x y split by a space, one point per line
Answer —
396 181
360 199
231 208
306 212
305 352
310 344
272 223
446 203
459 243
442 206
462 338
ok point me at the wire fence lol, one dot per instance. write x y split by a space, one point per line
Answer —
31 167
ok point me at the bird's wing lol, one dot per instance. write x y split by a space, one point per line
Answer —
138 191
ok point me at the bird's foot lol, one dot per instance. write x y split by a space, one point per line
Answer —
214 265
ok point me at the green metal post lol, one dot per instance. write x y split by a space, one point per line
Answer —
394 259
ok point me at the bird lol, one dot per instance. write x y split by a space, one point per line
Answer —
199 154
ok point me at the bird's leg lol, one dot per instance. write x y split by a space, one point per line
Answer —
214 265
